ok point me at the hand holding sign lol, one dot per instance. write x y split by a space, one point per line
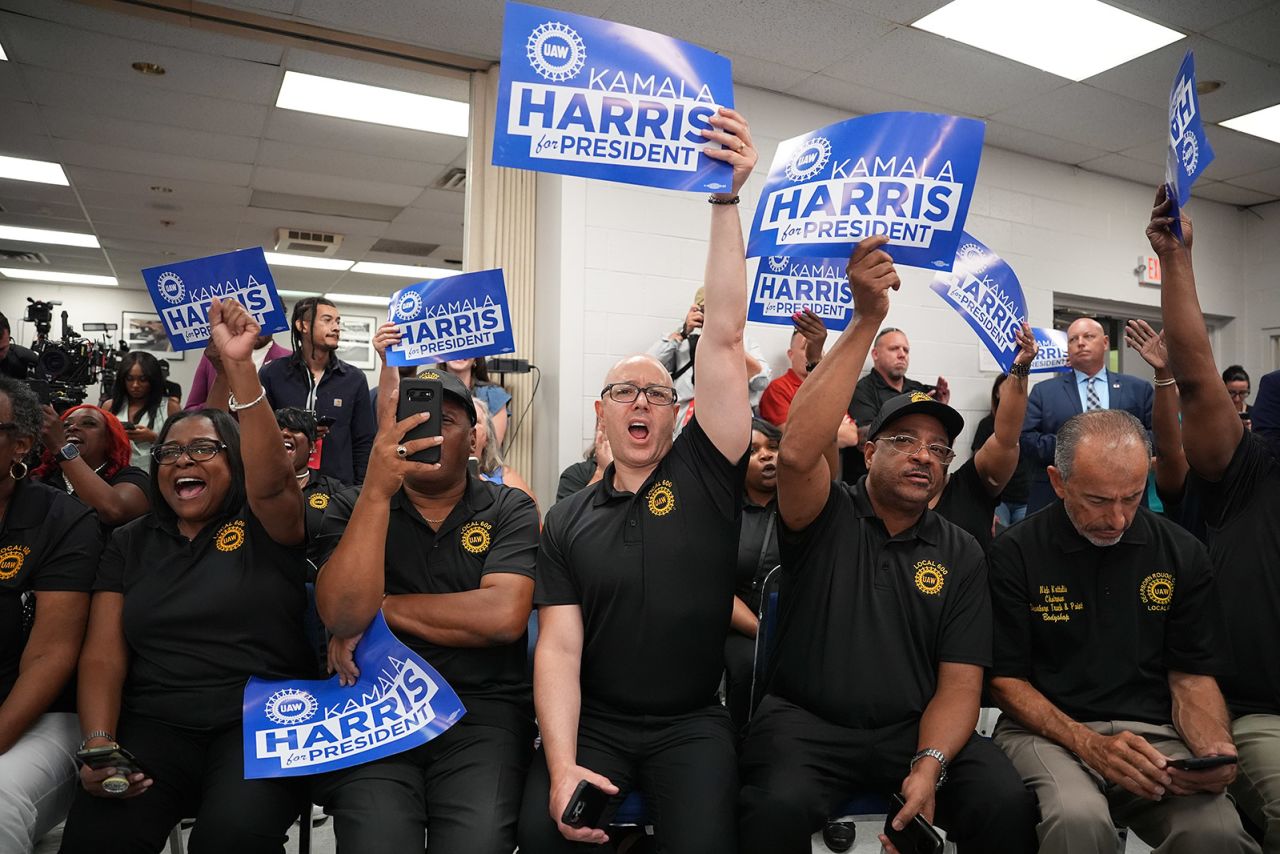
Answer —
814 331
872 275
232 330
1164 240
1027 346
730 129
388 335
342 659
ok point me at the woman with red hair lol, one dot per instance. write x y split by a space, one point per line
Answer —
86 453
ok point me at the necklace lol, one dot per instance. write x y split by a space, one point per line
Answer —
306 474
71 490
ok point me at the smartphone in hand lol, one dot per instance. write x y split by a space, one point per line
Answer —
421 396
111 757
585 806
1202 763
918 837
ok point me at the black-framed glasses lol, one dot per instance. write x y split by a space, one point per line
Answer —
1242 395
658 395
200 451
910 445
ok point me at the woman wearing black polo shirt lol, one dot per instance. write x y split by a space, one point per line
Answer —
49 545
86 454
193 599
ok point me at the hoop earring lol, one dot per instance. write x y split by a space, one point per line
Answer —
19 464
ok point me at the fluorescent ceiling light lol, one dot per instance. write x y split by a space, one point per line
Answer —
407 271
359 299
282 259
40 171
50 276
2 56
1264 123
41 235
345 100
1075 39
298 294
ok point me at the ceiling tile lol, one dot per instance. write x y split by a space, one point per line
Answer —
347 164
1038 145
29 145
185 191
344 135
145 136
1088 116
1119 166
1237 154
856 98
1230 194
898 11
1194 16
11 86
750 71
20 118
350 227
419 81
1267 181
333 187
1257 32
78 153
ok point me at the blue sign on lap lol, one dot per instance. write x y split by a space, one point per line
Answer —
459 317
1189 152
294 727
785 286
597 99
183 291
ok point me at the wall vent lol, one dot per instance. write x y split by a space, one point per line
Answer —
454 179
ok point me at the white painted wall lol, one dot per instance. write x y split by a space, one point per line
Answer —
1261 282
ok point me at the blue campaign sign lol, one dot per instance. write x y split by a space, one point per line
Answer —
294 727
459 317
1189 150
182 293
785 286
581 96
1052 355
906 175
982 287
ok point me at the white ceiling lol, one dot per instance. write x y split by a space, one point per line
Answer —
208 129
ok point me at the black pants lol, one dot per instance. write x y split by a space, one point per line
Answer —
197 774
684 764
798 768
739 665
463 788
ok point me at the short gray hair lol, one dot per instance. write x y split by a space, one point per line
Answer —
1110 425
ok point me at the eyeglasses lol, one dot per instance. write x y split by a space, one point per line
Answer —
658 395
199 451
910 445
1240 394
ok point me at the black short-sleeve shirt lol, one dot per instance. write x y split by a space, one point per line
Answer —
653 572
871 393
201 616
316 495
127 474
966 503
493 529
1242 514
48 542
1097 629
757 549
865 618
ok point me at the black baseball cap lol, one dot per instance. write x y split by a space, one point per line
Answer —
451 385
911 403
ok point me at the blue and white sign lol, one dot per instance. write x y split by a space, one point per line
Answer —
581 96
982 287
1052 355
182 293
459 317
295 727
785 286
906 175
1189 151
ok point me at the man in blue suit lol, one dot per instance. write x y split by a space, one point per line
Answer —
1089 385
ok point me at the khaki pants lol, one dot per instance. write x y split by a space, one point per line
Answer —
1257 785
1079 809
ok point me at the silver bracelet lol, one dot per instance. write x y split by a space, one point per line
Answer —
1164 383
98 733
236 407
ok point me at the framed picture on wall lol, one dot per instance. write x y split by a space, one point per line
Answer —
143 331
355 342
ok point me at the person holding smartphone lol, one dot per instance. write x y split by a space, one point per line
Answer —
191 600
139 400
86 454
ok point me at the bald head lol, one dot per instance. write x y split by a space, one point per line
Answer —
1087 345
632 368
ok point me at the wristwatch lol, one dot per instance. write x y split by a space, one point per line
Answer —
68 452
936 754
1016 370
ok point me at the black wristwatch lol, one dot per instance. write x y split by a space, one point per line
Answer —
68 452
1016 370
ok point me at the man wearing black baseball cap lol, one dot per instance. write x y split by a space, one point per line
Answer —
884 627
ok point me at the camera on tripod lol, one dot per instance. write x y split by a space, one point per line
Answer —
65 368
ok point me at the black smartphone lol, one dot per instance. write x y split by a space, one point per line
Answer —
421 396
1246 416
325 420
586 806
1202 763
918 837
128 425
111 757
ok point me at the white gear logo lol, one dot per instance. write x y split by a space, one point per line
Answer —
170 287
290 706
1190 152
556 51
409 305
778 263
809 159
972 258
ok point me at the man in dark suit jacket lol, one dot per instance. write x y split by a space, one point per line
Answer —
1089 385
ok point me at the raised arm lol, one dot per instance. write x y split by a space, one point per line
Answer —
1205 402
1171 463
997 459
115 504
724 410
804 475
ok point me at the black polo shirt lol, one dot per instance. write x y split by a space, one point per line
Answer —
871 393
48 542
201 616
965 502
492 529
654 574
865 619
343 394
1097 629
316 495
127 474
757 549
1241 512
576 476
1019 487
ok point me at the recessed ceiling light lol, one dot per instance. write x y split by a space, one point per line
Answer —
359 299
345 100
1075 39
1264 123
1208 87
50 276
283 260
148 68
160 188
405 271
40 171
41 235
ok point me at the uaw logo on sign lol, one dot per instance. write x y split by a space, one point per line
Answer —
908 176
785 286
296 727
182 293
1189 152
457 317
582 96
983 289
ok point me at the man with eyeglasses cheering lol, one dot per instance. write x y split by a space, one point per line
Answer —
635 583
884 626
